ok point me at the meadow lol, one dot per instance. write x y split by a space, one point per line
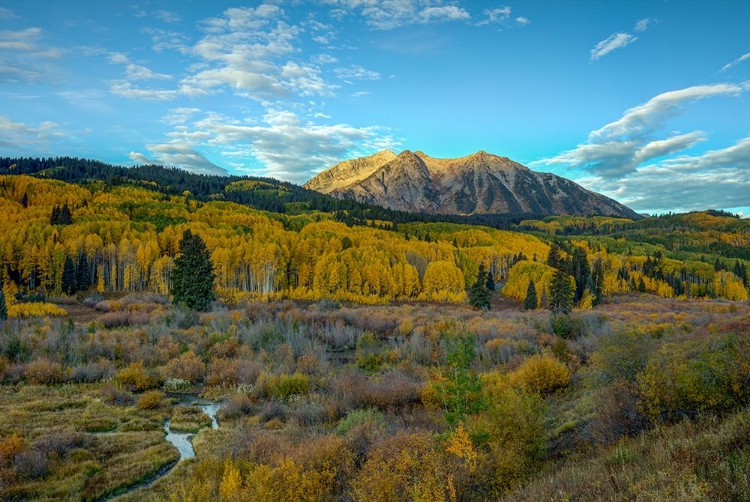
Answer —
643 398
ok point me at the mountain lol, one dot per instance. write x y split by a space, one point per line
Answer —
481 183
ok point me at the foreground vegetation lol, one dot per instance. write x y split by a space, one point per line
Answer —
613 364
401 402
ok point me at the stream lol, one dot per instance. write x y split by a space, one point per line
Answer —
180 440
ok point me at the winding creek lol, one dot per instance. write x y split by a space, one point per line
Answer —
180 440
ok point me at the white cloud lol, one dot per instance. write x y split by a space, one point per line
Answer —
282 146
162 40
523 21
243 18
356 72
178 154
618 148
714 179
126 90
643 24
444 13
18 135
611 43
322 59
390 14
655 111
736 61
137 72
167 17
497 16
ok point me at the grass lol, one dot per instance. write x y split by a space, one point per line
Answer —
88 449
188 419
703 460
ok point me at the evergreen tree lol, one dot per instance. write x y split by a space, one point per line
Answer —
193 274
479 295
61 215
530 302
69 277
561 293
490 281
580 271
83 273
3 306
554 259
25 200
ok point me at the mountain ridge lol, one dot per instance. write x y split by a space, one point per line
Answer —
479 183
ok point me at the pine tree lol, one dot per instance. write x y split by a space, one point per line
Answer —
580 271
66 218
554 259
69 277
479 295
25 200
490 281
83 273
3 306
561 294
530 302
193 274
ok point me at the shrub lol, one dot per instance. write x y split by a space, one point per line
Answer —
136 377
112 395
150 400
357 418
61 443
187 367
31 464
541 375
93 372
238 405
289 386
36 310
44 372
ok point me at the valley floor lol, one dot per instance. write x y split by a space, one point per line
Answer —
641 398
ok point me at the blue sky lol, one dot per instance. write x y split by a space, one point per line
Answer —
646 102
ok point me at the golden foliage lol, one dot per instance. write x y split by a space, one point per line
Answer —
541 374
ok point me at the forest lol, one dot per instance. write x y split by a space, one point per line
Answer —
348 356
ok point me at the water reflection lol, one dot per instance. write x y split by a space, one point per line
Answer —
181 441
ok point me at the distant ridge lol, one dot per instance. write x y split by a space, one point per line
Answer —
480 183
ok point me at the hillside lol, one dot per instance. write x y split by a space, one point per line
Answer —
481 183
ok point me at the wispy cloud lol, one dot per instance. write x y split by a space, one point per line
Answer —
736 62
356 72
167 17
611 43
125 89
620 39
18 135
618 148
643 24
24 57
6 13
501 16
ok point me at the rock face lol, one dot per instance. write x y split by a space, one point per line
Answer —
479 183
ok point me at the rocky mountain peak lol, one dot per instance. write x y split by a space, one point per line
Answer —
478 183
